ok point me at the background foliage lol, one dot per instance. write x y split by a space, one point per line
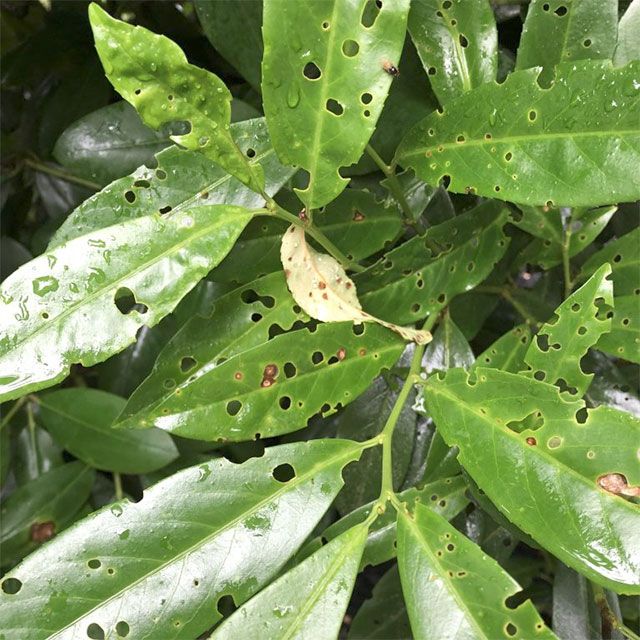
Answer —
187 451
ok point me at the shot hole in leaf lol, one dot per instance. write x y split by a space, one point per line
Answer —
311 71
126 302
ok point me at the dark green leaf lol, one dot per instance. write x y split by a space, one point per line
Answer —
555 487
86 299
415 280
567 30
457 43
41 508
507 352
324 83
624 339
152 73
34 452
12 256
80 421
439 565
511 140
308 601
214 530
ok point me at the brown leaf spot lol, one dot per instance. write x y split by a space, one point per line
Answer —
358 217
270 371
362 352
325 296
287 273
303 215
617 484
348 285
322 284
238 375
531 441
342 353
266 382
42 531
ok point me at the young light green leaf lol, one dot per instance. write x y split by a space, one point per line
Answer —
320 285
457 43
356 222
42 508
152 73
628 45
509 141
80 421
86 299
226 23
384 615
274 387
555 354
213 530
326 72
309 601
439 565
109 143
507 352
421 276
565 474
567 30
182 180
448 349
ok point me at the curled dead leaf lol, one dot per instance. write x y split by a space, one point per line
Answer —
320 285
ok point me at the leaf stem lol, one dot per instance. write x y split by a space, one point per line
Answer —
36 165
608 615
12 412
316 234
566 259
505 292
117 483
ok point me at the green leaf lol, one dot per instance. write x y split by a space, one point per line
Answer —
274 387
448 349
324 83
307 602
511 140
610 385
628 45
623 341
439 565
152 73
384 615
213 530
42 508
557 473
227 23
410 282
446 496
86 299
457 43
356 222
34 452
508 351
182 180
80 421
362 420
567 30
108 143
555 354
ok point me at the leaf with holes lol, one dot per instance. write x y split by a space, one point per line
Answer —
623 341
439 564
80 421
242 319
86 299
182 180
171 550
41 508
510 141
320 285
326 72
558 31
508 351
563 480
628 45
356 222
152 73
421 276
309 601
555 354
457 42
274 387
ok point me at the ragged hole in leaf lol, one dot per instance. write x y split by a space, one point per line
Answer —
370 13
226 605
249 296
125 302
617 484
284 472
333 106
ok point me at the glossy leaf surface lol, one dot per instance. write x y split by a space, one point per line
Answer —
309 601
513 148
555 354
86 299
508 351
275 387
324 82
452 589
567 30
80 421
628 45
42 508
182 180
421 276
457 43
557 467
161 565
152 73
